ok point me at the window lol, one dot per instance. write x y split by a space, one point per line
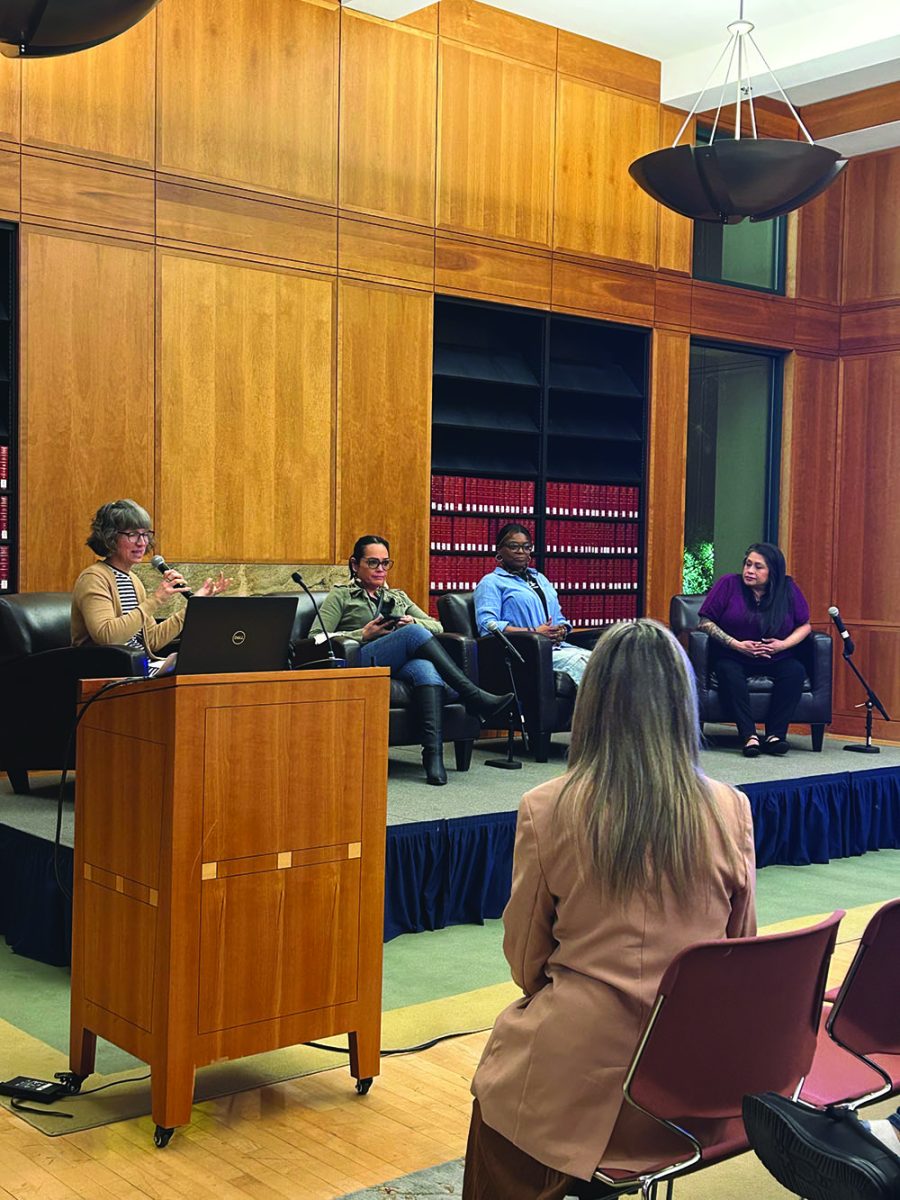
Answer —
733 458
749 255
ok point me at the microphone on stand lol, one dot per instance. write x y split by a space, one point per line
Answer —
494 629
162 566
839 625
331 660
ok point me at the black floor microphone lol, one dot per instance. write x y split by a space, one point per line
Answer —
332 660
162 566
842 629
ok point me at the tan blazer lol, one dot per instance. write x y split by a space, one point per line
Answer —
550 1079
97 612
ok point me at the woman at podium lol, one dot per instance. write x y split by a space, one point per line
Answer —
110 605
394 632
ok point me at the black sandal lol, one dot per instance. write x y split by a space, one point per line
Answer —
775 745
752 747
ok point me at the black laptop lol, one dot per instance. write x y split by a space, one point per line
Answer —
236 633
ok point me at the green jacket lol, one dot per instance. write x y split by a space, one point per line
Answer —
348 607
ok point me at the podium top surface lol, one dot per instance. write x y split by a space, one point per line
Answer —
90 687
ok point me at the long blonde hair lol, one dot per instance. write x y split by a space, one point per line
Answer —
636 800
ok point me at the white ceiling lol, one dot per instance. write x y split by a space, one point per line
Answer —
817 49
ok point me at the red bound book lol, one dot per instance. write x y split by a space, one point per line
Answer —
552 499
4 516
509 497
4 565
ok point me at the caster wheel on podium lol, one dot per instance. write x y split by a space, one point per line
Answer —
363 1085
162 1136
70 1081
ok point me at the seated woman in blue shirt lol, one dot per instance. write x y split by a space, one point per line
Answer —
519 599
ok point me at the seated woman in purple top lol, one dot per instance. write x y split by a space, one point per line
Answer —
757 618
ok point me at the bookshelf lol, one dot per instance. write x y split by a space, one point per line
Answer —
540 418
9 556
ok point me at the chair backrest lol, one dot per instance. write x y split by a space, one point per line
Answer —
457 613
866 1013
732 1018
33 622
305 618
684 613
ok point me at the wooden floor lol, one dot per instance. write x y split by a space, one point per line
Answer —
310 1139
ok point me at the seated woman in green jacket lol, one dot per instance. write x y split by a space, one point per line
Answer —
394 632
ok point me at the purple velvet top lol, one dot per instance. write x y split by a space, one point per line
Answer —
726 607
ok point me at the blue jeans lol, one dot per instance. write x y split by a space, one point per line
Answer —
395 650
571 660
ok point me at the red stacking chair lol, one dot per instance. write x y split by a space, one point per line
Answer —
857 1057
731 1017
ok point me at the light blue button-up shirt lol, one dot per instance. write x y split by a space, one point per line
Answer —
509 600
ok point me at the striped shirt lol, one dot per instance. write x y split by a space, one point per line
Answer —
129 601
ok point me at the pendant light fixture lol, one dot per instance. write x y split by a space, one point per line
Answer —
46 28
730 179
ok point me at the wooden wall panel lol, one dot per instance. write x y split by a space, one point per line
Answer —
871 268
503 32
597 290
496 125
870 328
858 110
675 247
254 227
736 314
867 565
87 394
86 194
609 66
808 476
98 102
818 256
388 119
245 413
9 183
475 269
386 252
817 327
248 94
384 425
598 208
10 98
664 497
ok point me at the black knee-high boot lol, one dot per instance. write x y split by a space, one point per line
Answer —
476 702
429 703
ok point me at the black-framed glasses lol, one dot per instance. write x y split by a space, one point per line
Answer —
528 547
138 535
374 563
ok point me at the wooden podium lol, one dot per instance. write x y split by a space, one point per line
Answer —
229 871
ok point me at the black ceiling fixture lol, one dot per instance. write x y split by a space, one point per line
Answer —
44 28
733 178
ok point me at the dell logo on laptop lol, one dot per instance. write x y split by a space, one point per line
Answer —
239 637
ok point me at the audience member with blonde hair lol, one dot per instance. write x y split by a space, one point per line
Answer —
619 864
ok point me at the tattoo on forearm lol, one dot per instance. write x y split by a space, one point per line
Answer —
707 626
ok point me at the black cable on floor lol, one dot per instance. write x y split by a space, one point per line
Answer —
443 1037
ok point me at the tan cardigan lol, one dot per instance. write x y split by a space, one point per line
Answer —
97 612
551 1076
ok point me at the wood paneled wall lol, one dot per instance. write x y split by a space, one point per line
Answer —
232 229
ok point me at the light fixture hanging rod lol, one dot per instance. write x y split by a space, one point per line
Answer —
703 91
765 63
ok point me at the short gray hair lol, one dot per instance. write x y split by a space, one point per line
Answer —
111 519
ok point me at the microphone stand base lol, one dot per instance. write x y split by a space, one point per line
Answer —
504 764
858 749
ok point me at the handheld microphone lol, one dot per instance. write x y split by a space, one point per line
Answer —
839 625
494 629
332 660
162 566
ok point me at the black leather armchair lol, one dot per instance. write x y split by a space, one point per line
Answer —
403 729
39 673
547 696
815 653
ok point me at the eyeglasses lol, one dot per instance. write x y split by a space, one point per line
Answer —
138 535
374 563
526 546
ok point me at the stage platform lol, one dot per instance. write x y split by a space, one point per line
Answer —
449 850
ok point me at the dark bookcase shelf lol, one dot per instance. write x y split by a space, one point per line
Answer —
561 401
9 466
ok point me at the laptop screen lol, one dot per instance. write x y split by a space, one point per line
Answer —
236 633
